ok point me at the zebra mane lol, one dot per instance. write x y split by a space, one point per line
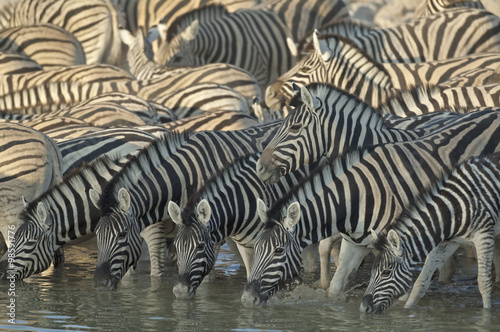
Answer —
203 15
75 179
422 93
322 171
148 156
324 91
218 179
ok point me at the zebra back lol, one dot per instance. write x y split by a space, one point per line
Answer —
429 7
262 52
462 31
93 22
32 163
49 45
17 64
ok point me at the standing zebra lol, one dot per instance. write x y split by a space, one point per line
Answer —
93 22
49 45
462 207
360 191
314 127
444 35
336 60
137 197
257 43
31 164
142 66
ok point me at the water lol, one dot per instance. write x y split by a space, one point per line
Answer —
64 299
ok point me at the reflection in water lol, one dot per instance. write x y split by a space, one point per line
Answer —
64 299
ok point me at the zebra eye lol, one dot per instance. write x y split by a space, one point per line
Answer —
122 234
295 128
279 250
200 246
31 242
386 272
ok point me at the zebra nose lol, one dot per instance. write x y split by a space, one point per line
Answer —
366 304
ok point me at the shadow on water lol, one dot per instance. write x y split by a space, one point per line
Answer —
64 299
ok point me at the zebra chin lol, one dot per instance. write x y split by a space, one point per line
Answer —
368 307
183 291
268 173
103 278
252 297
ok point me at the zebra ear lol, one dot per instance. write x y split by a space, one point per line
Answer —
162 31
126 37
292 46
308 98
25 202
191 31
204 211
41 211
321 47
94 197
174 211
262 210
394 241
292 215
374 234
124 199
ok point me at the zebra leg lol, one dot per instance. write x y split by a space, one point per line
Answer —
155 237
328 248
310 258
350 258
484 244
58 259
496 259
434 260
448 269
248 257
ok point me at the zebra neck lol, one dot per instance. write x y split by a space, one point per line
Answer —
69 201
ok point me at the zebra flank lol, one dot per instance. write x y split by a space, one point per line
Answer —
462 206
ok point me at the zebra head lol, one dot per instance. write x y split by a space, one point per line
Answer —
313 68
180 50
390 277
34 244
297 141
277 257
118 241
195 248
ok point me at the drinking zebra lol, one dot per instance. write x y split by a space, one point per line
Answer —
461 207
360 191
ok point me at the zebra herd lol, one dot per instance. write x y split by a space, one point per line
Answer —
273 125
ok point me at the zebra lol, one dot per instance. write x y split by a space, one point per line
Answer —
257 43
461 207
61 214
339 61
31 163
93 22
142 66
137 196
464 30
6 9
11 63
310 130
360 191
429 7
48 45
233 193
